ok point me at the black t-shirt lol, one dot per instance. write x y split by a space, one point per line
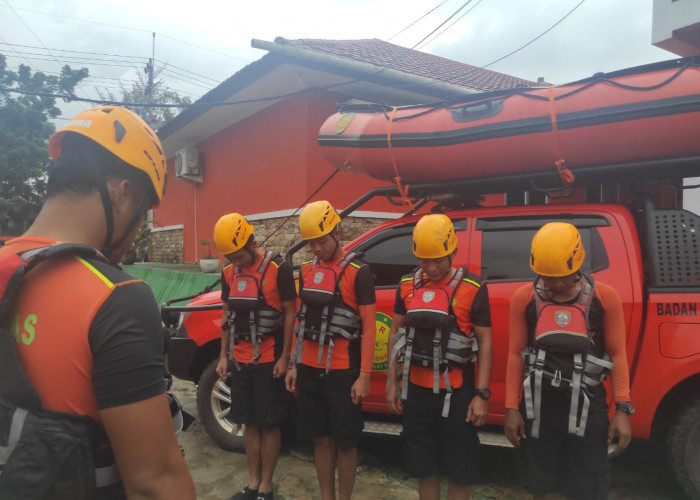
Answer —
127 341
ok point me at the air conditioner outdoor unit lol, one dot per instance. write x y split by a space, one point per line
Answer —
187 165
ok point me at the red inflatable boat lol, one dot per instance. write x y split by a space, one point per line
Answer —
639 114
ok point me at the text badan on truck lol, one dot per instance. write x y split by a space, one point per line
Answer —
650 256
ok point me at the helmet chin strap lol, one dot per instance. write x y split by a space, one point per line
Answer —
337 243
109 246
109 218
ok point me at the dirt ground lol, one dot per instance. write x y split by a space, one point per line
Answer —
638 474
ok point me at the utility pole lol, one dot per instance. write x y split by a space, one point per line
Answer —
149 71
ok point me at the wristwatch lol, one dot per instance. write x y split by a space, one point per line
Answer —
483 393
625 407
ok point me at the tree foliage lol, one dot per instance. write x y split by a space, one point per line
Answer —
24 131
141 93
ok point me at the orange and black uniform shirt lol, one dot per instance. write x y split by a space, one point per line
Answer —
88 334
277 287
470 306
607 327
356 287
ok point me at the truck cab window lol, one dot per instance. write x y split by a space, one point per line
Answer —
505 253
390 258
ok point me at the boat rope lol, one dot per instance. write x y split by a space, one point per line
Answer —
566 176
402 189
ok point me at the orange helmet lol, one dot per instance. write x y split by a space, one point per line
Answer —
231 233
316 219
124 134
557 250
434 237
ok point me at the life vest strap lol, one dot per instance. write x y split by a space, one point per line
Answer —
19 416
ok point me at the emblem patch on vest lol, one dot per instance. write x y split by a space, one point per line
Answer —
562 318
428 296
318 278
242 285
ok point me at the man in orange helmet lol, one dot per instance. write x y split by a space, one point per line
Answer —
89 336
333 349
443 319
566 333
259 300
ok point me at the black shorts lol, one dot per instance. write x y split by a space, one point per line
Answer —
325 407
433 444
257 397
561 462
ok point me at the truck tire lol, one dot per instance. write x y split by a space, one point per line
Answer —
213 405
683 444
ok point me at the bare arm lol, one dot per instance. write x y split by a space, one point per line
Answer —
478 410
289 309
146 450
514 425
361 387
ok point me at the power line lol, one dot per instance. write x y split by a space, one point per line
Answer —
181 78
443 23
166 68
73 51
139 59
19 55
417 20
437 35
83 59
153 105
133 29
30 30
537 37
99 81
35 35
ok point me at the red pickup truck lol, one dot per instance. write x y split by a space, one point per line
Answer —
650 256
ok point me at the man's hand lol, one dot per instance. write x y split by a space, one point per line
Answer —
280 369
394 403
222 367
290 380
620 427
360 388
514 426
478 411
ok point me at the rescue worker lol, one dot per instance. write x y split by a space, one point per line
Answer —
566 333
442 320
333 350
89 336
259 300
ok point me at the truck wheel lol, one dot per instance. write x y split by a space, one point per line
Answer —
683 442
213 405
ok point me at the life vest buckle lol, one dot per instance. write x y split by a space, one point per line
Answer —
556 380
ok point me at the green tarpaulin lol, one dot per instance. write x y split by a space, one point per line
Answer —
168 284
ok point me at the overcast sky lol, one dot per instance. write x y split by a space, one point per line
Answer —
207 41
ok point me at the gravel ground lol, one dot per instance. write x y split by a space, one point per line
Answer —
639 474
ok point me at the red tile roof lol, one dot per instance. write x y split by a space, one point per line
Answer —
380 53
